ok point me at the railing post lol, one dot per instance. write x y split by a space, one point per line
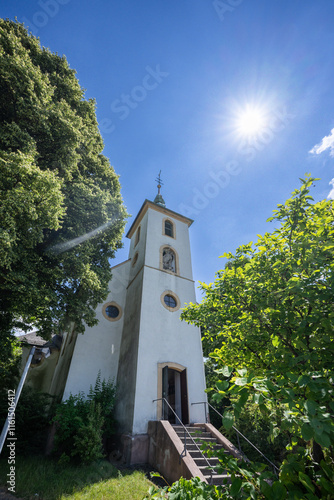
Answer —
185 441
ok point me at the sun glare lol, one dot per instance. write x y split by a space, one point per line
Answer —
250 121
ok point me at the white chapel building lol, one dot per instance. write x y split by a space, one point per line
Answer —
140 341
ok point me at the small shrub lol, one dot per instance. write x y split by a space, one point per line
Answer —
82 421
104 394
88 439
70 416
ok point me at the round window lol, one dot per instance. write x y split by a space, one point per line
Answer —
170 301
112 312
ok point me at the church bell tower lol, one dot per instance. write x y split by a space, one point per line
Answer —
140 340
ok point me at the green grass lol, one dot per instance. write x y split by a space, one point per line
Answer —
43 478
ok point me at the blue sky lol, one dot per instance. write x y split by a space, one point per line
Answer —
172 80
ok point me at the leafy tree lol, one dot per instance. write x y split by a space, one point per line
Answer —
61 211
268 321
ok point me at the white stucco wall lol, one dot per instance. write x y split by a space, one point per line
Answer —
164 338
98 348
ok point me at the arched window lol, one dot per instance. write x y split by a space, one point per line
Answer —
168 260
137 236
169 228
135 258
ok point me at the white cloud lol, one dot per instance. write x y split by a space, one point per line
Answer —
326 143
331 193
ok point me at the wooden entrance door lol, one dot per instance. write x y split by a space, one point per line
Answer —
175 391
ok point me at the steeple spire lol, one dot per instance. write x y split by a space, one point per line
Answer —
159 199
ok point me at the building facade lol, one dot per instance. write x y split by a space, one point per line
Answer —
140 342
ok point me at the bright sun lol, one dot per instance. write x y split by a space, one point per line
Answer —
250 121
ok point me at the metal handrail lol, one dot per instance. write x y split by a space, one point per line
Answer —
11 411
185 440
276 469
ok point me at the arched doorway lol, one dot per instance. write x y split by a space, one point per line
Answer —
173 388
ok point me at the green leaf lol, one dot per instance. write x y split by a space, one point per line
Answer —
217 397
292 376
227 370
258 398
325 484
222 385
317 425
242 371
278 490
236 486
241 381
243 398
266 489
228 419
303 380
276 341
307 432
306 481
323 439
311 407
328 470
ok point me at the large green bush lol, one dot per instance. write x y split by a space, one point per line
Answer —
268 323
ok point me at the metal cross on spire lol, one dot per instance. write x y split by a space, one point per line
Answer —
159 199
159 181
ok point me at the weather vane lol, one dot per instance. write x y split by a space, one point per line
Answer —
159 181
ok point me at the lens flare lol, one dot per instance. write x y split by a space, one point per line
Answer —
250 121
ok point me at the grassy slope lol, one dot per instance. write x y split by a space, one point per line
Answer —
52 481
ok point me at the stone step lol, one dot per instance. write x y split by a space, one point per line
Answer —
199 454
197 447
207 470
197 440
194 435
201 461
194 447
192 430
189 428
217 479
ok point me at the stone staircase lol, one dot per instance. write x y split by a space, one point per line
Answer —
206 466
168 455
